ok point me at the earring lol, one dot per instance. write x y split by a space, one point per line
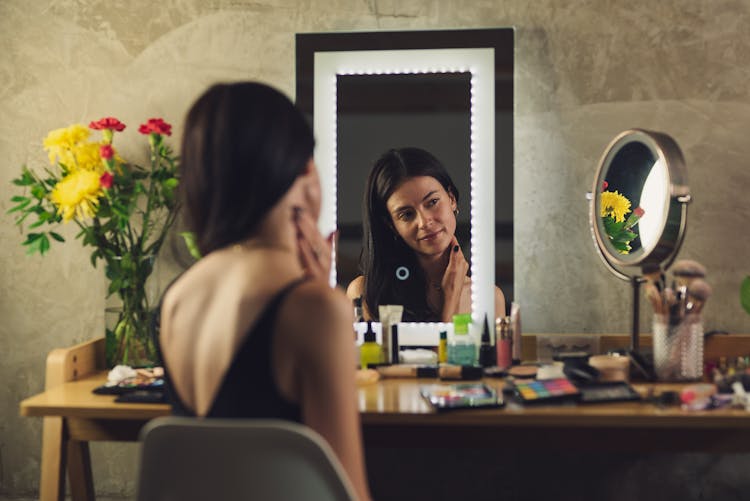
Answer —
455 211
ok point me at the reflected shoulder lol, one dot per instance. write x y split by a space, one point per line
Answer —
356 288
499 301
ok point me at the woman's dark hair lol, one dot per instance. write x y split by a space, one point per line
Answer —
244 144
384 251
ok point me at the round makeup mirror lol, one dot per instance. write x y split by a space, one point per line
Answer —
638 210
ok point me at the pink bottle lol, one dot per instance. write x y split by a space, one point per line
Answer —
503 342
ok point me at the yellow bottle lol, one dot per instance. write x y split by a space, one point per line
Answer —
443 347
370 350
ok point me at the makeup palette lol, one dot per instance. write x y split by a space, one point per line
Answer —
546 391
608 392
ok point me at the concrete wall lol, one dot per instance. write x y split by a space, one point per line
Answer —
585 70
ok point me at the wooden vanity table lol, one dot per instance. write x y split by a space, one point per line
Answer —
393 414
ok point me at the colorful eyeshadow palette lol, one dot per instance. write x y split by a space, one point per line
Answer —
546 391
461 396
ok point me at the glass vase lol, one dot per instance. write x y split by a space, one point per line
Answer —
678 348
133 295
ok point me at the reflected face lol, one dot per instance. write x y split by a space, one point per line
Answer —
421 211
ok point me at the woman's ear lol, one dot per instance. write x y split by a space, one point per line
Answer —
454 204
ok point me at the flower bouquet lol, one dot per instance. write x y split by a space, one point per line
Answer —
614 208
123 211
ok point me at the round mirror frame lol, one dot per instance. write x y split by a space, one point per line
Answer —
674 219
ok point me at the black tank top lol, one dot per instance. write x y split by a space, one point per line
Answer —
248 389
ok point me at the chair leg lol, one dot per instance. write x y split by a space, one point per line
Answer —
79 471
54 456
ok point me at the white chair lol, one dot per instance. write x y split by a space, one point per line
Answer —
185 459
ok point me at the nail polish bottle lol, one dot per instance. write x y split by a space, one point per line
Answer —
487 353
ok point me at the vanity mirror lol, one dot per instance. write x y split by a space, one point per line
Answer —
638 211
449 92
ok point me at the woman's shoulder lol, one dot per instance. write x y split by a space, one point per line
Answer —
314 315
314 299
356 288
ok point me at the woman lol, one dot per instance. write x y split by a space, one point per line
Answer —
253 329
411 255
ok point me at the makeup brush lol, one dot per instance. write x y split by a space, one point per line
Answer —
652 273
698 293
652 294
687 270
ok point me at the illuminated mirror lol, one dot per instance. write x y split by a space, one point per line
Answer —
374 88
479 63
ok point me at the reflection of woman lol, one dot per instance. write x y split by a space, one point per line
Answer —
411 255
253 329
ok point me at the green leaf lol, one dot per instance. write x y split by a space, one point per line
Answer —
624 248
190 242
30 237
56 236
20 206
745 294
19 198
34 243
114 286
38 191
43 244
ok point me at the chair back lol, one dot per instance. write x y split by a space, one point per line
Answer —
185 459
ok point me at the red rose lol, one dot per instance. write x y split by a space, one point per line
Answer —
106 180
106 151
156 126
638 211
110 123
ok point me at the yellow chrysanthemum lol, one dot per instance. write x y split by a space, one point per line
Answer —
60 142
77 195
615 205
86 156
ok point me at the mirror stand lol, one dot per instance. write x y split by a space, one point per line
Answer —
638 215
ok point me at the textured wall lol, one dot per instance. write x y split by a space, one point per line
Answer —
585 71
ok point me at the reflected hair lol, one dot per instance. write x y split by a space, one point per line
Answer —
243 146
383 250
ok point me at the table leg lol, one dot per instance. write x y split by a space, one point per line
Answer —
54 452
79 471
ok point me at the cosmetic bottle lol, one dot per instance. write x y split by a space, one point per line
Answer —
358 313
370 350
462 350
503 341
515 332
487 353
443 347
389 314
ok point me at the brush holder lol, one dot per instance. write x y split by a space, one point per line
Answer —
678 348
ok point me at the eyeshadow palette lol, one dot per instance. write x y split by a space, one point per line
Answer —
547 391
461 396
608 392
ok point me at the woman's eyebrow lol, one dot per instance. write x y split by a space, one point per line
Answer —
405 207
429 195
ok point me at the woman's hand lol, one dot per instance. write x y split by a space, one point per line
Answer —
314 250
453 280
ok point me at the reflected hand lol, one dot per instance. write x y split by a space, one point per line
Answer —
313 249
453 280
